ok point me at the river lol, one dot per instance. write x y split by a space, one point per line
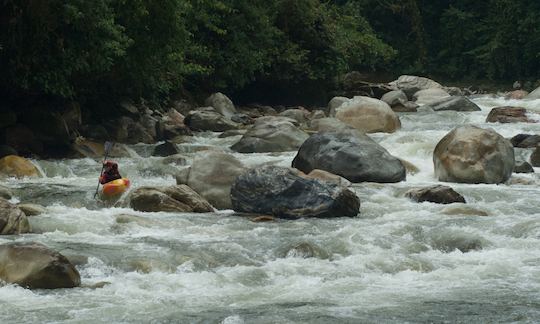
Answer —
397 262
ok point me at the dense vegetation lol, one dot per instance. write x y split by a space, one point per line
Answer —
88 50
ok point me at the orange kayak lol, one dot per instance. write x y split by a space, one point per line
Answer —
115 187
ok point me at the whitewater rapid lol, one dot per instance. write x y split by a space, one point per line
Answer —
398 261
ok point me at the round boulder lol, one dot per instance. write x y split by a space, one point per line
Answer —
12 219
472 154
222 104
335 103
19 167
35 266
455 103
206 119
508 114
428 96
349 154
410 84
436 194
368 115
281 192
180 198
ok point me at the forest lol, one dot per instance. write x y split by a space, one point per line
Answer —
108 50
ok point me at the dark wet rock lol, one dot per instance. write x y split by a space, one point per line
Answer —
471 154
523 167
271 134
436 194
16 166
242 119
410 84
5 193
6 150
535 157
95 132
180 198
368 115
31 209
127 130
208 120
211 175
283 193
222 104
455 103
508 114
304 250
172 125
232 132
349 154
166 149
35 266
525 140
12 219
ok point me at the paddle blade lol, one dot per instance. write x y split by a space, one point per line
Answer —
107 147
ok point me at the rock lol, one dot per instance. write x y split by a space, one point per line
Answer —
535 94
508 114
271 134
429 96
354 85
516 94
525 140
263 218
463 210
471 154
23 140
12 219
95 132
349 154
242 119
409 167
35 266
16 166
182 106
326 176
334 103
5 193
535 157
6 150
95 150
32 209
232 132
411 84
180 198
222 104
408 106
172 125
394 97
212 175
281 192
317 114
328 124
178 159
126 130
436 194
208 120
368 115
300 115
166 149
523 167
305 250
454 91
455 103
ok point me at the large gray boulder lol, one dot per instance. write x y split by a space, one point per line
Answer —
206 119
455 103
472 154
349 154
335 103
12 219
368 115
394 97
535 157
271 134
282 192
211 175
429 96
535 94
35 266
180 198
222 104
411 84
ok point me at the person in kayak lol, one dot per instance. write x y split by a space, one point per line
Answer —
110 172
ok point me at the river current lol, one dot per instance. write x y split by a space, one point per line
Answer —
398 261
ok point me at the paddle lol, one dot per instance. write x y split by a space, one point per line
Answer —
107 147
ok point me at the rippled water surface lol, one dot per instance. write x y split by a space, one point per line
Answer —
397 262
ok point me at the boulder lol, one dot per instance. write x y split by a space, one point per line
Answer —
6 150
5 193
166 149
35 266
525 140
271 134
535 157
95 132
178 159
523 167
32 209
516 94
180 198
327 124
349 154
454 91
208 120
300 115
172 125
410 84
317 114
428 96
212 175
368 115
126 130
222 104
16 166
335 103
23 140
12 219
455 103
535 94
282 192
326 176
508 114
408 106
436 194
242 119
232 132
471 154
395 97
95 150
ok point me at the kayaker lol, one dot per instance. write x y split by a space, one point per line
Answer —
110 172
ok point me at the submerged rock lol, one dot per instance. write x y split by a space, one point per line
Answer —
180 198
535 157
12 219
523 167
436 194
349 154
471 154
304 250
456 103
283 193
368 115
525 140
35 266
19 167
